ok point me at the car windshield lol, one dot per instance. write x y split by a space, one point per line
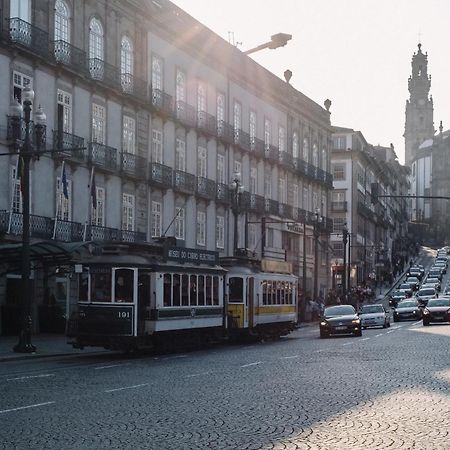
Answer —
406 304
427 292
439 302
341 310
412 280
370 309
405 286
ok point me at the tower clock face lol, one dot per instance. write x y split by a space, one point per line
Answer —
421 102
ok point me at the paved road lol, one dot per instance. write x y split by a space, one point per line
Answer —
389 389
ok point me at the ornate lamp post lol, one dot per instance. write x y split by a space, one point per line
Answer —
344 241
26 152
236 191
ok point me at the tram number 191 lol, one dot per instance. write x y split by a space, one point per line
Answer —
124 314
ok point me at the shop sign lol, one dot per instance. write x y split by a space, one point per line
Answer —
185 255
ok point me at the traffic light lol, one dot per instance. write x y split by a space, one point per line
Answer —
374 192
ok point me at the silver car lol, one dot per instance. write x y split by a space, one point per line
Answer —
374 316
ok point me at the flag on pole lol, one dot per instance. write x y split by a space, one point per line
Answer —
64 181
93 190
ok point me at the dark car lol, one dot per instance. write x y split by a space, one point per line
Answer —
406 288
395 297
435 273
340 319
414 283
434 281
415 272
425 294
407 310
437 310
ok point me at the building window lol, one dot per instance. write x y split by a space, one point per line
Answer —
20 82
252 126
338 249
201 228
180 91
295 195
339 142
220 232
98 210
201 162
63 203
126 56
157 73
282 190
98 124
62 21
253 180
156 219
180 155
221 177
306 150
306 202
295 145
20 9
252 241
128 212
220 111
201 98
315 156
324 159
269 237
237 169
338 172
179 223
237 120
281 139
129 135
157 146
338 224
96 41
267 133
268 184
64 113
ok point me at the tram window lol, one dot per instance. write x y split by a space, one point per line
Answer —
269 293
215 290
201 290
278 301
101 287
83 287
289 293
193 291
167 289
185 290
124 285
236 290
208 290
176 291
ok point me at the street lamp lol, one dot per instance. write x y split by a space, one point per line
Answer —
344 241
236 190
317 221
276 41
25 154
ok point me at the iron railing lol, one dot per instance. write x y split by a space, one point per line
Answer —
222 193
162 102
29 36
160 175
70 56
339 206
133 165
103 155
257 147
184 182
225 132
67 231
206 123
100 70
134 86
185 114
206 188
271 206
272 153
68 146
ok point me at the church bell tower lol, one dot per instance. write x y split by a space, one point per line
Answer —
419 108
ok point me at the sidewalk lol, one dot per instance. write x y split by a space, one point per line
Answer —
47 345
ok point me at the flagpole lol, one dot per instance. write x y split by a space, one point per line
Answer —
58 200
16 176
88 218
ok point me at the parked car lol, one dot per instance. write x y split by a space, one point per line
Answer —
437 310
424 294
374 316
396 297
340 319
407 310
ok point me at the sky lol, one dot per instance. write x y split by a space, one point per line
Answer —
357 53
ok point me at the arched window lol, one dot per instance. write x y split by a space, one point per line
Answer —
295 145
96 40
306 150
62 21
315 156
126 56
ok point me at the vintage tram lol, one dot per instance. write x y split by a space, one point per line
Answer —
158 295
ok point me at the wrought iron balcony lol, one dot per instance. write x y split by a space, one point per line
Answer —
225 132
98 233
302 215
103 156
70 56
40 227
206 123
160 176
206 188
29 36
69 231
272 153
162 102
271 206
102 71
338 206
301 166
242 139
285 211
184 182
257 147
364 210
286 160
69 146
222 193
253 202
185 114
133 165
134 86
16 131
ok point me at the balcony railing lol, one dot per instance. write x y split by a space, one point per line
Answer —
184 182
29 36
69 231
225 132
206 188
68 146
338 206
185 114
271 206
103 155
222 193
70 56
162 102
243 140
102 71
257 147
286 160
133 165
160 175
285 211
98 233
272 153
134 86
253 202
40 227
206 123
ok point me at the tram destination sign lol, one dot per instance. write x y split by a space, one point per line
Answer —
192 255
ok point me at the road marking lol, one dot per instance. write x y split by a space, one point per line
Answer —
111 366
348 343
199 374
25 407
290 357
378 335
365 339
390 331
31 376
127 387
252 364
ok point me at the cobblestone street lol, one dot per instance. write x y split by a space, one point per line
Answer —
388 389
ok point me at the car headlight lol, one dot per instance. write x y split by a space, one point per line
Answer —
425 312
356 321
323 323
